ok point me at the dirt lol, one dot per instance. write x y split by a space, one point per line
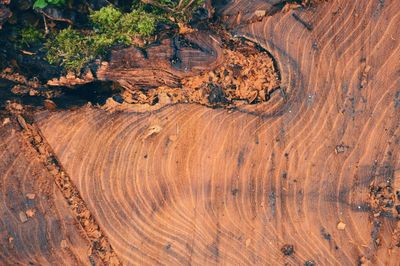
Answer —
309 263
383 200
287 250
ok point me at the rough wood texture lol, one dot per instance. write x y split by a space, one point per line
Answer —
165 63
239 12
292 182
51 236
195 185
160 64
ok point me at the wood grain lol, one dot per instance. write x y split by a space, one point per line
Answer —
192 185
233 188
163 63
51 236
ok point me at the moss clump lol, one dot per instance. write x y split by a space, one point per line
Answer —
69 49
111 22
30 36
106 19
139 22
73 50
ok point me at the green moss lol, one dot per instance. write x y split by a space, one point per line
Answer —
30 36
138 22
146 26
72 50
113 23
106 19
69 49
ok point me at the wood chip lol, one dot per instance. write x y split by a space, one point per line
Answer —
22 217
30 196
22 122
341 226
6 121
30 212
260 13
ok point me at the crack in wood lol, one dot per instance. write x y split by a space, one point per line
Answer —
100 245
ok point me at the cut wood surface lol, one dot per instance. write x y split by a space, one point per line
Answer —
36 226
308 178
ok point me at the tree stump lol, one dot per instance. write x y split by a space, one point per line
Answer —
308 178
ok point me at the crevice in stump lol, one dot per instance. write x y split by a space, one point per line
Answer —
99 243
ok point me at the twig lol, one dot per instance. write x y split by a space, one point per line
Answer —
45 24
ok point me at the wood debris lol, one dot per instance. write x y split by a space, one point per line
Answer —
341 226
31 196
30 213
22 217
6 121
152 130
247 76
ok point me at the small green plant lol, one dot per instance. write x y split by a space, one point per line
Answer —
30 36
44 3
